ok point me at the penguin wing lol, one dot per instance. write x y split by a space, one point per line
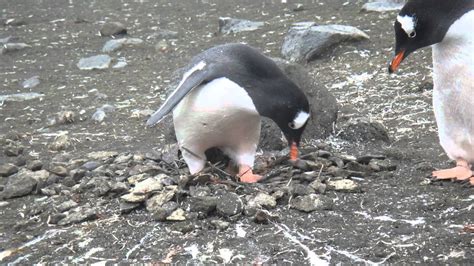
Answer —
195 76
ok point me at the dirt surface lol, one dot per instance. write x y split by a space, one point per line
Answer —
398 216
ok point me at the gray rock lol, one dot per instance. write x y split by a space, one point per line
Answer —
119 188
4 204
177 215
127 207
35 165
365 159
113 28
102 155
13 150
121 62
59 170
13 47
263 200
39 176
31 82
220 225
61 142
306 41
91 165
382 165
383 5
116 44
18 185
307 203
94 62
80 215
99 115
67 205
149 185
343 185
15 22
232 25
202 204
229 204
8 169
5 40
77 174
300 189
363 130
318 186
19 97
55 218
163 212
161 198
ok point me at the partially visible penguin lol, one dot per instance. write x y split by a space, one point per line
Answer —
219 102
448 27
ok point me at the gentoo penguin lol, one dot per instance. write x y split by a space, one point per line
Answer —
219 102
447 26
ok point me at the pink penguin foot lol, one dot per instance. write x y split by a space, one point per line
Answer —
247 176
461 172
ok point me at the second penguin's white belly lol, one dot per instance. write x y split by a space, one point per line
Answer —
453 95
218 114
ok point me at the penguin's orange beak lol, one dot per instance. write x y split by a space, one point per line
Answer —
293 151
396 61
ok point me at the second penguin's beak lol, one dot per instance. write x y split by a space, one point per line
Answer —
396 61
293 151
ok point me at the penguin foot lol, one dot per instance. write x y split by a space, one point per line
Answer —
247 176
461 172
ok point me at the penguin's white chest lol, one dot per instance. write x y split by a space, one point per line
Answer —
453 96
217 114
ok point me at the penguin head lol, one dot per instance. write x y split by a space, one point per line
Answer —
421 23
292 121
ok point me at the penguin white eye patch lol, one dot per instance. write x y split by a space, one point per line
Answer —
408 24
299 120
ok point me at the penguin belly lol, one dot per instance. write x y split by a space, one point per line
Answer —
218 114
453 93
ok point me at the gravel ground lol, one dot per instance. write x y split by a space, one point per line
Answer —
109 189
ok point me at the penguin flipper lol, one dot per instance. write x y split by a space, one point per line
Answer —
192 78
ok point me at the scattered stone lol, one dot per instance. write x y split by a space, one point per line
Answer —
306 41
19 97
161 198
13 47
382 165
263 200
6 39
13 150
127 207
300 189
365 159
177 215
149 185
363 130
161 213
48 191
17 186
15 22
116 44
383 5
91 165
20 161
102 155
343 185
100 113
220 224
55 218
112 29
229 204
307 203
318 186
64 117
355 166
31 82
8 169
94 62
99 185
232 25
68 181
67 205
4 204
61 142
119 188
298 8
141 113
35 165
202 204
39 176
59 170
77 174
80 215
264 217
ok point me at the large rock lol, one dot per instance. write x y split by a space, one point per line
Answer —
306 41
113 29
383 5
18 185
232 25
101 61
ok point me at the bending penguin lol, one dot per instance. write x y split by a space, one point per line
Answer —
219 103
447 26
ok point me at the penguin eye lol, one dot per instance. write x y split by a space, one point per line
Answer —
292 125
412 34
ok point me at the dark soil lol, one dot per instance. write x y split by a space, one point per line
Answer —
399 216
